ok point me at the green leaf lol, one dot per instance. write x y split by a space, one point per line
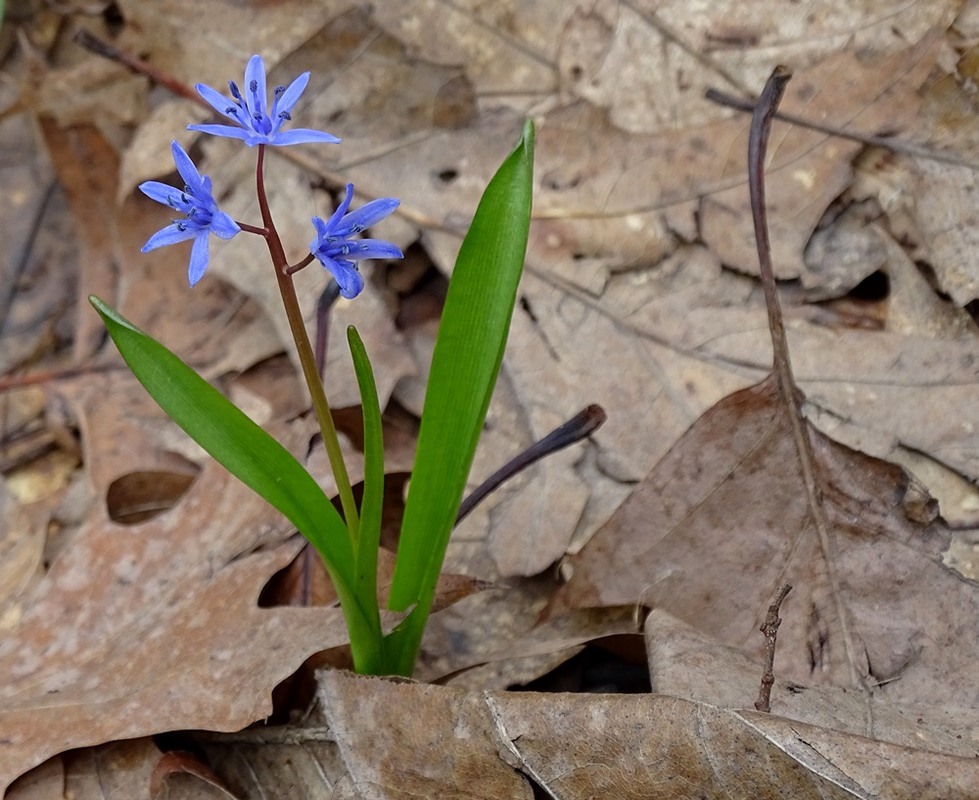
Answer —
373 501
468 352
252 456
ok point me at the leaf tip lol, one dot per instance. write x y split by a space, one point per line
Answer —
528 135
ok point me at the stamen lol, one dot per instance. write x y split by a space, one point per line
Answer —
278 90
235 92
253 87
285 115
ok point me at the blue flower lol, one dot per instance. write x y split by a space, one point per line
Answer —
202 215
338 252
256 122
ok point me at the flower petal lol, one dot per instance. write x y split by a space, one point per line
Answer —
347 276
292 94
334 225
222 130
302 136
223 226
369 214
160 192
255 73
216 100
186 168
361 249
198 258
322 231
171 234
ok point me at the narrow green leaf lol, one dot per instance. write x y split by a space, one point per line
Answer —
256 459
468 352
225 432
373 501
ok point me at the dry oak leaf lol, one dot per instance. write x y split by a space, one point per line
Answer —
723 520
154 627
683 662
113 771
809 169
430 741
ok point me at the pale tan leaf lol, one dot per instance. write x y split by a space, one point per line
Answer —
723 521
149 628
452 744
683 662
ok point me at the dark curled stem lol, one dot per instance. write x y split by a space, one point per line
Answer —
582 424
770 629
761 126
326 301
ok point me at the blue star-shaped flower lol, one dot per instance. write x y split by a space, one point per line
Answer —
338 252
202 214
256 122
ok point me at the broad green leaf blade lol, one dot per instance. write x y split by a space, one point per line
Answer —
225 432
468 352
256 459
373 502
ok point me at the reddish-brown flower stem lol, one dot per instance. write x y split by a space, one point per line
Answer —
252 228
294 268
307 359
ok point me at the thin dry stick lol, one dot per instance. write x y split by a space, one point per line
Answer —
770 629
761 124
887 142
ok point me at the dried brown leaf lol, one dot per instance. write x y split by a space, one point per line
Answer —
723 520
941 197
684 662
808 169
154 627
438 742
114 771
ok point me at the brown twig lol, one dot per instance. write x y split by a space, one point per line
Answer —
770 629
18 381
887 142
761 124
96 45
